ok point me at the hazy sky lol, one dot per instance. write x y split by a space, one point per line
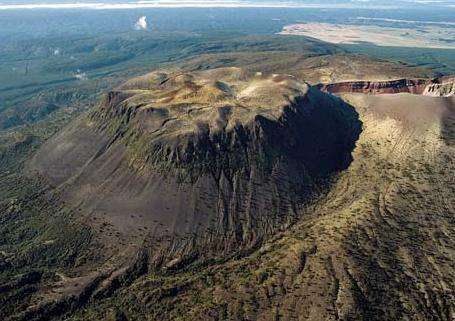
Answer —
131 4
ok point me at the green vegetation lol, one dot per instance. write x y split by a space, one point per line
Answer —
439 60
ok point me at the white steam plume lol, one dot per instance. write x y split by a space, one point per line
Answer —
141 24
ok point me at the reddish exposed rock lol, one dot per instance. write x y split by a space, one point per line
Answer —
431 87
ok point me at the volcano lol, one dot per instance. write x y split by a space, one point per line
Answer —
203 164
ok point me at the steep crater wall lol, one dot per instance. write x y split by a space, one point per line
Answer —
439 87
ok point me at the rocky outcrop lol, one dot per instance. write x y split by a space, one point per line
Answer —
416 86
443 87
435 87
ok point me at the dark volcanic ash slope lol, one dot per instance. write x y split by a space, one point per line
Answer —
199 164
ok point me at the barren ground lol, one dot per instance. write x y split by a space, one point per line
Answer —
423 37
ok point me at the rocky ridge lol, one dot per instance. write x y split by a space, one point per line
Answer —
437 87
